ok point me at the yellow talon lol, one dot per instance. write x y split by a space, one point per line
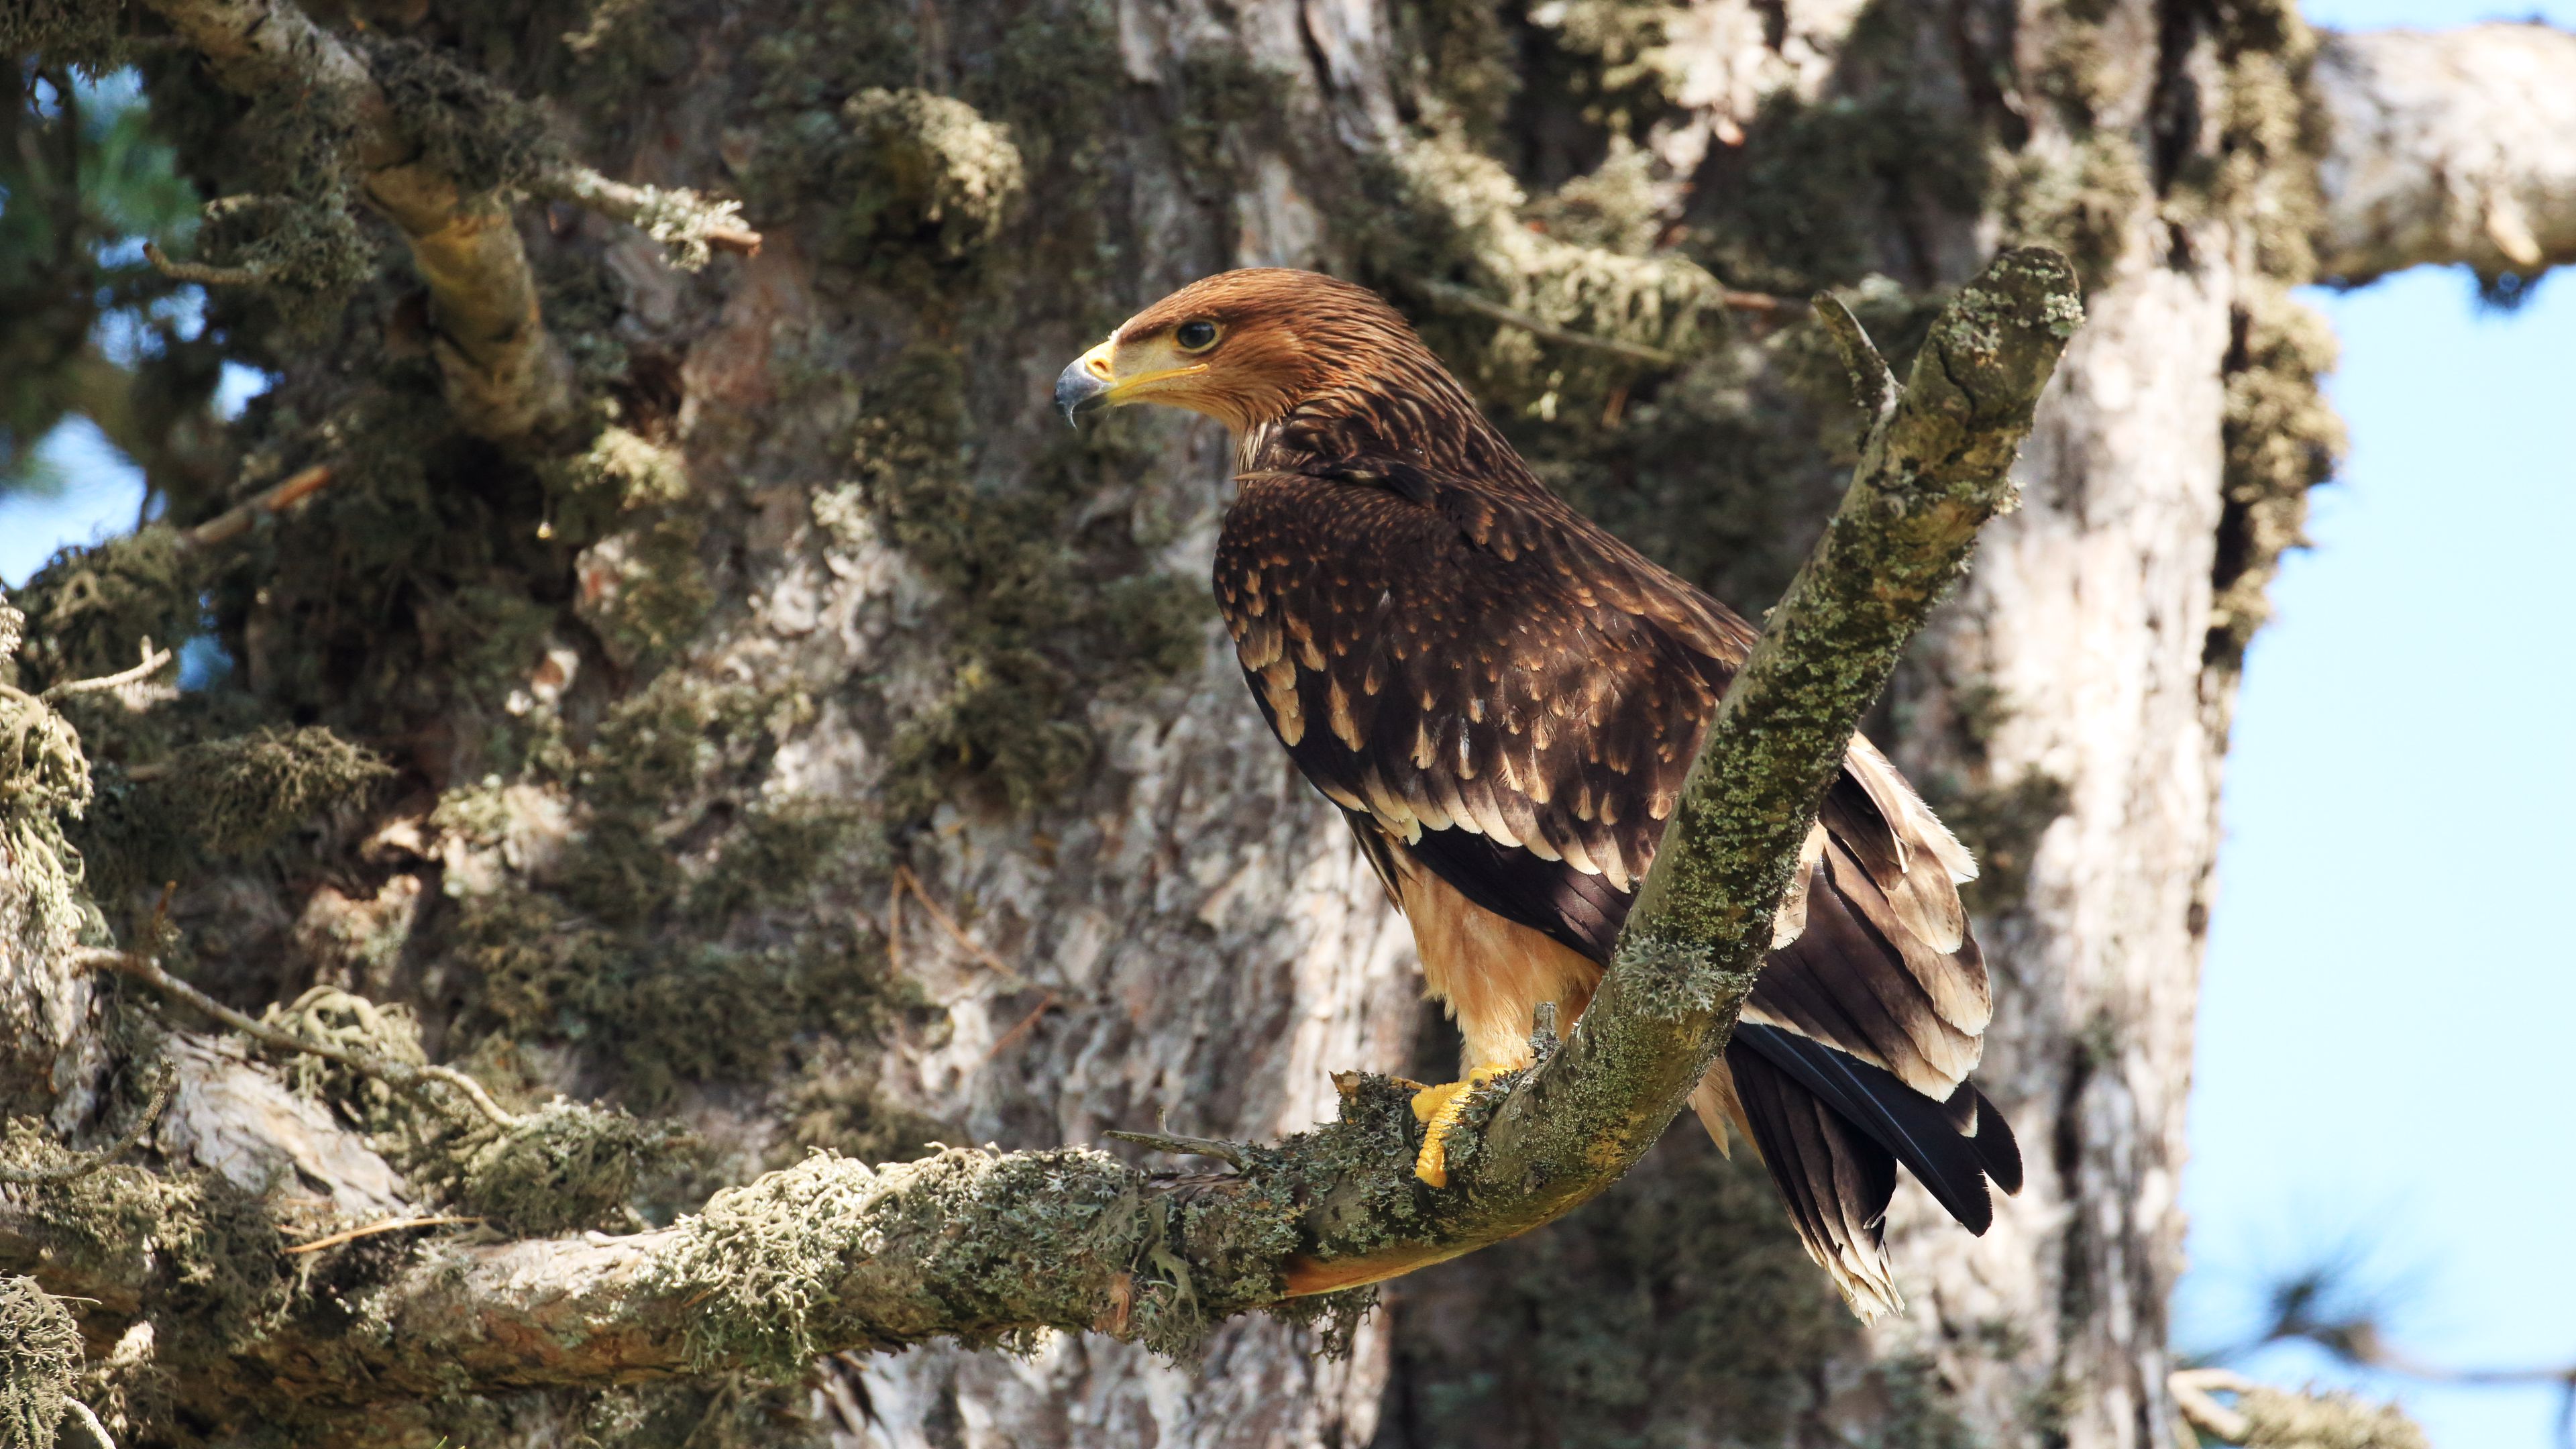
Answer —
1438 1109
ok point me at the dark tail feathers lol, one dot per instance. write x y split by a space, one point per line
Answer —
1832 1129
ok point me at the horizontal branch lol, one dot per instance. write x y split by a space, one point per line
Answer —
987 1246
2445 147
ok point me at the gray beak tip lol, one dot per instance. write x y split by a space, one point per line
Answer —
1077 392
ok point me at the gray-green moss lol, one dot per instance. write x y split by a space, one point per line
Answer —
40 1352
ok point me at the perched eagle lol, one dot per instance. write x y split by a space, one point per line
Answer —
1503 700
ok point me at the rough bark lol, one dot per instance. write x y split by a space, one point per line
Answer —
833 684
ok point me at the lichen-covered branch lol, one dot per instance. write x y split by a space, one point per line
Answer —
2447 147
506 378
989 1247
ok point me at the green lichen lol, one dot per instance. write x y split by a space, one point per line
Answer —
219 799
925 174
563 1167
63 33
91 607
464 124
1010 1238
40 1352
44 781
2083 201
627 938
2282 438
2279 1420
1040 620
204 1253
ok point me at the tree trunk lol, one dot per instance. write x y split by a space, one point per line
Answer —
802 736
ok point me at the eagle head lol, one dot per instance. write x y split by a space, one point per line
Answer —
1244 348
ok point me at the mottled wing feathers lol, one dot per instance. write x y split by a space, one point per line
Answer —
1440 662
1474 671
1517 697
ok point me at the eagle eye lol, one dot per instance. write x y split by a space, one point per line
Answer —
1196 336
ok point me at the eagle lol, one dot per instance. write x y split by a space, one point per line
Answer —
1502 699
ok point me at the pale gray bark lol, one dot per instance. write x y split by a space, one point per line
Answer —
2448 147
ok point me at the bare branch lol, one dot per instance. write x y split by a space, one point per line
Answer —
235 521
83 1415
402 1076
393 1225
2455 146
1874 386
154 661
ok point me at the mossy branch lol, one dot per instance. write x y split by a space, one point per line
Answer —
507 379
987 1246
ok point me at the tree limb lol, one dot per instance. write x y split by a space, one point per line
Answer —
988 1246
506 378
2456 146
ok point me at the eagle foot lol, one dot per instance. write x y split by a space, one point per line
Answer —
1438 1109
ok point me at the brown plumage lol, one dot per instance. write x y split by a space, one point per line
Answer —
1503 699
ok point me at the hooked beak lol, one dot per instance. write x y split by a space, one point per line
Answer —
1084 384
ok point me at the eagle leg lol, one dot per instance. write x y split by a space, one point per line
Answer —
1438 1109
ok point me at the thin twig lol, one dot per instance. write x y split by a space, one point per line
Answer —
1230 1153
2191 1390
1873 382
202 273
88 1420
1045 1004
391 1225
905 880
1513 317
403 1076
675 216
235 521
90 1162
153 661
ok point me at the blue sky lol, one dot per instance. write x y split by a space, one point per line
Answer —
2384 1053
2384 1066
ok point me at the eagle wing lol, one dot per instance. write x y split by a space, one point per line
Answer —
1517 696
1514 695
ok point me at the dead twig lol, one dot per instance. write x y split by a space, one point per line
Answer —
402 1076
393 1225
235 521
154 660
204 274
1029 1022
905 880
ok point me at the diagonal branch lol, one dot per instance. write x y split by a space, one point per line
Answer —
506 377
834 1255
